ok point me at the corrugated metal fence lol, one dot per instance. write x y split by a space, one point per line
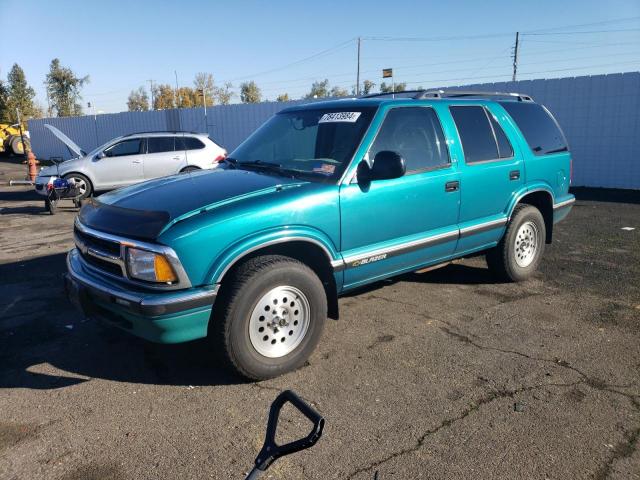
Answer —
600 116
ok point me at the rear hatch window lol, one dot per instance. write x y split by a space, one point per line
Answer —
540 129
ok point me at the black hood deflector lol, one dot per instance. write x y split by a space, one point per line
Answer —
127 222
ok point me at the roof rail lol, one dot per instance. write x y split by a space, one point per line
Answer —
471 93
402 94
165 131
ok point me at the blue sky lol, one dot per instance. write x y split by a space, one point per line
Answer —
121 45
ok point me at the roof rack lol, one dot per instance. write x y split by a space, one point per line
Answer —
165 131
422 94
471 93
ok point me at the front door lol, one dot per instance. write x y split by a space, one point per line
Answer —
121 164
390 226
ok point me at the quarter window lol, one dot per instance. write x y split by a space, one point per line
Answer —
159 144
126 147
538 127
476 134
188 143
416 135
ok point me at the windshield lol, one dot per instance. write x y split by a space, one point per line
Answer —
315 144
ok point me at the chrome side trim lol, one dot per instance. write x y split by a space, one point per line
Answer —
566 203
354 260
482 227
275 242
168 252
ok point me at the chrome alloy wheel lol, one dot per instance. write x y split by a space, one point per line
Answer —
526 244
279 321
81 185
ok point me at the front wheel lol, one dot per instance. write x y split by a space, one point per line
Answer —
83 184
519 253
270 317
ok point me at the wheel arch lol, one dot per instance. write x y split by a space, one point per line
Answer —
313 252
542 199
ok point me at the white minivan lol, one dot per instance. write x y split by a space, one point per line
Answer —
131 159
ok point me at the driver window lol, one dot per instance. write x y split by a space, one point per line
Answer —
416 135
126 147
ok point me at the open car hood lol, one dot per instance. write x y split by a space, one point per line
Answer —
71 145
146 209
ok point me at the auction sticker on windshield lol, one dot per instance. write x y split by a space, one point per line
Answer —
350 117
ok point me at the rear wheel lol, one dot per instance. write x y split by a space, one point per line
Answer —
189 169
83 184
17 147
519 253
270 317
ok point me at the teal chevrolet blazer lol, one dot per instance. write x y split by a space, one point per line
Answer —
322 199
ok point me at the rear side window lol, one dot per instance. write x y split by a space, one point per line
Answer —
476 134
540 130
188 143
414 133
159 144
504 147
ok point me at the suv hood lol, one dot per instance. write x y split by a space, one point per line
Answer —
144 210
71 145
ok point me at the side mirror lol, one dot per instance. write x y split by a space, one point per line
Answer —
386 165
271 451
100 155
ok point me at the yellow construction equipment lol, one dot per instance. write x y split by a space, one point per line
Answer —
10 140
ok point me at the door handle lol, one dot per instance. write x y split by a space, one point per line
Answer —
514 175
135 161
452 186
177 158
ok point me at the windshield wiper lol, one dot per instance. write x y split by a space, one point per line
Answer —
232 162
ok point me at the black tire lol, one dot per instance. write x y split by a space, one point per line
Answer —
518 264
189 169
229 331
89 187
17 146
51 206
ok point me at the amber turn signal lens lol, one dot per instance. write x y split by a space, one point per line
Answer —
164 272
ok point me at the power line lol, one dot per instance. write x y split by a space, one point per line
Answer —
585 32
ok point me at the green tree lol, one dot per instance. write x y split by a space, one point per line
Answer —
138 100
63 88
204 82
338 92
224 93
367 87
250 93
4 98
319 89
19 95
399 87
164 97
283 97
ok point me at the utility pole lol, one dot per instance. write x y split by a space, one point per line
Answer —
515 57
358 74
151 83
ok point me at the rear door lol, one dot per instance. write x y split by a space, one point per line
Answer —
491 173
389 226
122 164
162 159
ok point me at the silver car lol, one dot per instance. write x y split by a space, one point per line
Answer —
131 159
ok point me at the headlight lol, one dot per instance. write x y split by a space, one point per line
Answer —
149 266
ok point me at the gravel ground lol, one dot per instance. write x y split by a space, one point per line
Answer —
444 374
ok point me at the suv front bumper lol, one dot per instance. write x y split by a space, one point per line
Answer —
166 316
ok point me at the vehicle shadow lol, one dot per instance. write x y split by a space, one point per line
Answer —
46 344
454 274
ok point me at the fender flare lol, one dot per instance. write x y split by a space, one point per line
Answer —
240 249
519 195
